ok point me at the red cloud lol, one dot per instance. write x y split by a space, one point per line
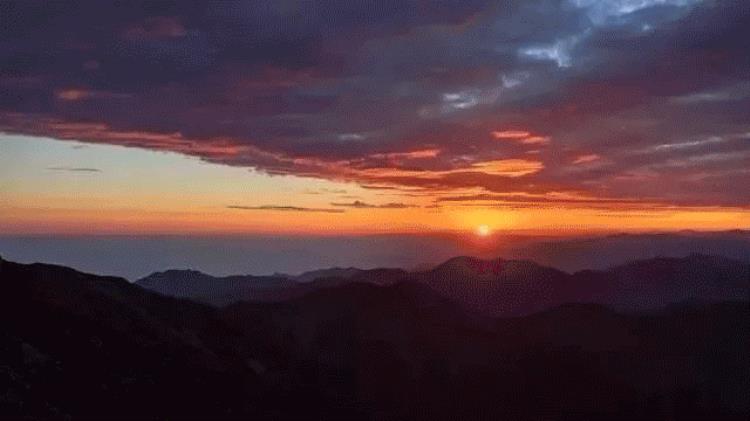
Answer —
585 159
520 136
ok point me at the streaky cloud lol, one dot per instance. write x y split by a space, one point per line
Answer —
358 204
75 169
284 208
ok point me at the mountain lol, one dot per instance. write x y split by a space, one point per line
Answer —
220 290
511 288
655 283
407 353
497 287
602 252
76 345
336 272
134 257
494 287
230 289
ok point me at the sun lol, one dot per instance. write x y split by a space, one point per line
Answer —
483 230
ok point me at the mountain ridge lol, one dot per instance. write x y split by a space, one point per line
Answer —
505 286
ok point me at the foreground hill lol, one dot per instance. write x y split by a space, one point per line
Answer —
410 355
495 287
75 345
79 345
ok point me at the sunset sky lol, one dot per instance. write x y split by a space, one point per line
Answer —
340 117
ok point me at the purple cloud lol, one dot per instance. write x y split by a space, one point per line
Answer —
596 99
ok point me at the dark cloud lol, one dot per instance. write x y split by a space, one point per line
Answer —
402 94
75 169
284 208
358 204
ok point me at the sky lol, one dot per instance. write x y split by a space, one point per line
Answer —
353 117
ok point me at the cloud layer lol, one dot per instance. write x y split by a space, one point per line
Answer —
284 208
610 100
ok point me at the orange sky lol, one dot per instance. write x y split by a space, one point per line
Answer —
50 186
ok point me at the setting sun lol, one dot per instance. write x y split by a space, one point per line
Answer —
483 230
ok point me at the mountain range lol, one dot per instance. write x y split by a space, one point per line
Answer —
494 287
79 345
136 256
602 252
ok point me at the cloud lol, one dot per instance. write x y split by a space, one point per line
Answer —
419 154
511 134
560 52
325 190
75 169
432 96
566 200
602 11
357 204
74 94
155 28
283 208
520 136
586 158
509 167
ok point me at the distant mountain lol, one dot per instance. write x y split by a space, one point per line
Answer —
495 287
599 253
343 273
76 345
134 257
656 283
220 290
511 288
230 289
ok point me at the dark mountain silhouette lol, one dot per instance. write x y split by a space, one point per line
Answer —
230 289
220 290
135 256
497 287
344 273
662 281
508 287
78 345
602 252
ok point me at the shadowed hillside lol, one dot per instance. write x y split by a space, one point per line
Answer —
79 345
